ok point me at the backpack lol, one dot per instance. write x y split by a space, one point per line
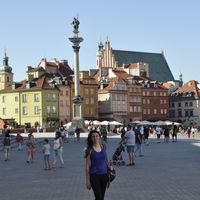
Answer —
6 141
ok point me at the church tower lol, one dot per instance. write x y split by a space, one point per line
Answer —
99 56
6 75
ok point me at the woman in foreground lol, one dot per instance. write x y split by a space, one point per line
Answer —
96 165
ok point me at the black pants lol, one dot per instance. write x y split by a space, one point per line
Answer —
99 183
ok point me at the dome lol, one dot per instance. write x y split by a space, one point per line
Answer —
5 67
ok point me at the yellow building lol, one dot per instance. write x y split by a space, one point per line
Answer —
31 103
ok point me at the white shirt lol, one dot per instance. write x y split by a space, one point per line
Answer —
158 130
46 148
56 144
130 137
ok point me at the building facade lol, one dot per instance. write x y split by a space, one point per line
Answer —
184 104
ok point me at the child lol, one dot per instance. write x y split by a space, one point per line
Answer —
19 140
46 152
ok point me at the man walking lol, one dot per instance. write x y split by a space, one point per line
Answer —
129 139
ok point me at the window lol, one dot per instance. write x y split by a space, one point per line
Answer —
67 92
91 91
91 100
135 108
144 101
172 105
154 93
131 108
36 110
186 104
161 94
3 99
16 110
36 97
24 98
191 104
149 111
24 110
144 111
61 102
179 105
148 101
191 113
86 91
86 101
7 79
4 111
155 111
61 93
48 109
186 114
161 111
16 99
161 101
53 109
54 96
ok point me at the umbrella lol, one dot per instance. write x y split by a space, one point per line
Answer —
135 122
68 124
115 123
86 122
145 122
104 123
96 122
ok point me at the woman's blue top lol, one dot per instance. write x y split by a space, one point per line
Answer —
98 162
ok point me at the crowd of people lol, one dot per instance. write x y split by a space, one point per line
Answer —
133 137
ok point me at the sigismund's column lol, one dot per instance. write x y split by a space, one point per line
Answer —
77 120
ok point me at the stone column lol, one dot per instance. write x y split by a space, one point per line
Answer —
77 120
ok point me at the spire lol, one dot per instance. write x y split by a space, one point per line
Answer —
5 59
5 52
180 76
180 79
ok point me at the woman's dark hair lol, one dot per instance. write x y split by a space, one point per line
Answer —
89 142
58 134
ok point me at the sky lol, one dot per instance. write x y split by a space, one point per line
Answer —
32 30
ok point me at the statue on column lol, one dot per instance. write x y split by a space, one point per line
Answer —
76 24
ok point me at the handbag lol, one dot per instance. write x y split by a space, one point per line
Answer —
111 173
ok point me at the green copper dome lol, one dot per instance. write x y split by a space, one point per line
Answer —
5 67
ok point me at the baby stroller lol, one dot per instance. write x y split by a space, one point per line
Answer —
117 158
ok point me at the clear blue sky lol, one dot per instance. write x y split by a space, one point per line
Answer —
34 29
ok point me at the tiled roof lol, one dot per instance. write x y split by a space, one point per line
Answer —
190 86
158 67
39 83
37 69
